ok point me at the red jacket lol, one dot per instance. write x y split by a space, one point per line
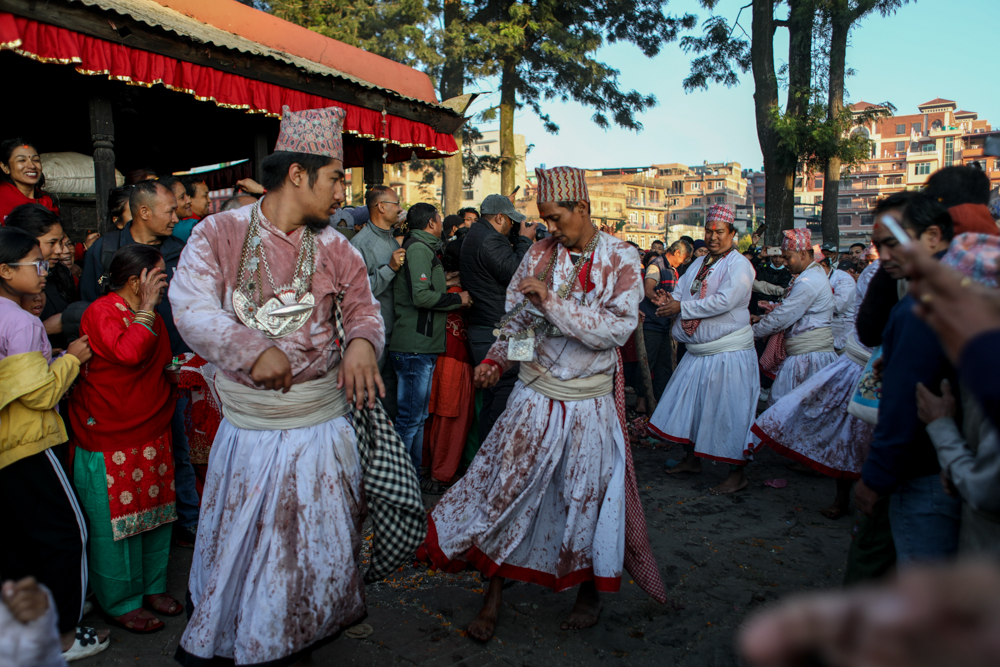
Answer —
11 198
123 398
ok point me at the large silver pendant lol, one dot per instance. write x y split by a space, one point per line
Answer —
521 349
280 316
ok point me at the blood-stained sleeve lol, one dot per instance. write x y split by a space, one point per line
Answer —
606 325
734 292
790 310
362 314
197 293
498 353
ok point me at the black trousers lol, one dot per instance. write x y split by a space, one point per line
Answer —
44 532
481 339
658 352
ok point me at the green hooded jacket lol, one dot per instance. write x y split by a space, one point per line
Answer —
421 298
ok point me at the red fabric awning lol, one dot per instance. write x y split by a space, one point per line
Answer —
90 55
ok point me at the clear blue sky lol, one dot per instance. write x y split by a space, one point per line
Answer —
928 49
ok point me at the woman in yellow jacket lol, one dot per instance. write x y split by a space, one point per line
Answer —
46 537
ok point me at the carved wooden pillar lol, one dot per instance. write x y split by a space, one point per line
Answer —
102 133
259 153
373 165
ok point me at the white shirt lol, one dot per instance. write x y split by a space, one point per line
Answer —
807 306
725 308
843 306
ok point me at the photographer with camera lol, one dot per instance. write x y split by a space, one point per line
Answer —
488 262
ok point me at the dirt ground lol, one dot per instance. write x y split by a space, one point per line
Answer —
722 558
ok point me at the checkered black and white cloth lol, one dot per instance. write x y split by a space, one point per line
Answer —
392 489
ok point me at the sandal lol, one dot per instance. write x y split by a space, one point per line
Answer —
85 644
135 621
163 604
432 487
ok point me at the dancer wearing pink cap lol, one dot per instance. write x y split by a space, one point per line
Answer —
804 317
281 303
551 496
711 399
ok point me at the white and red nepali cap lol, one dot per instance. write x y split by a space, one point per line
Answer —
312 131
796 239
722 213
561 184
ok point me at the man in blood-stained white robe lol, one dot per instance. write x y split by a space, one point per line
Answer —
711 399
811 424
275 570
805 317
550 498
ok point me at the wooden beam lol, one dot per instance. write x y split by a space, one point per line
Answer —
102 133
124 30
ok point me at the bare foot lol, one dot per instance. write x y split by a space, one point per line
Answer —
841 502
485 622
691 463
587 609
737 481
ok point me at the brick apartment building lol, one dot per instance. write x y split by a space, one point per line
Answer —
907 150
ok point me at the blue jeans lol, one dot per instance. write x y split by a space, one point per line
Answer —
415 373
184 479
924 521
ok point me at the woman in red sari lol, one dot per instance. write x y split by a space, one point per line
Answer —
124 466
21 177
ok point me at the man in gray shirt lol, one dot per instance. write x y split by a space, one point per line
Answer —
384 258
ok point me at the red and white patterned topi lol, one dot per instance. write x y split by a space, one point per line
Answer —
797 239
560 184
720 212
312 131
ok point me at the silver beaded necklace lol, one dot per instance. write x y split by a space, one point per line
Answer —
291 305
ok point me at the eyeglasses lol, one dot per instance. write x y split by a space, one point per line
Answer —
386 201
41 265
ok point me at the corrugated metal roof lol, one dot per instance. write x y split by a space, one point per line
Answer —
156 15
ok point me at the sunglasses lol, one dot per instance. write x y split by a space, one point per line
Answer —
41 265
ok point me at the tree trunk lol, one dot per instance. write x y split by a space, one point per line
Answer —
765 99
840 27
508 104
452 85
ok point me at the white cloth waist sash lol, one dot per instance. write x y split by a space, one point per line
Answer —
741 339
307 404
817 340
857 352
541 380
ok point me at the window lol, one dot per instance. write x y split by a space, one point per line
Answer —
468 194
759 202
604 206
483 148
928 148
844 202
922 168
696 201
949 151
758 190
632 238
798 183
818 184
867 220
618 207
996 165
720 200
844 220
632 193
696 185
673 216
936 125
798 200
901 129
900 145
918 127
631 217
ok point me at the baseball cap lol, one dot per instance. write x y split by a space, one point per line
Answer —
829 248
494 204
